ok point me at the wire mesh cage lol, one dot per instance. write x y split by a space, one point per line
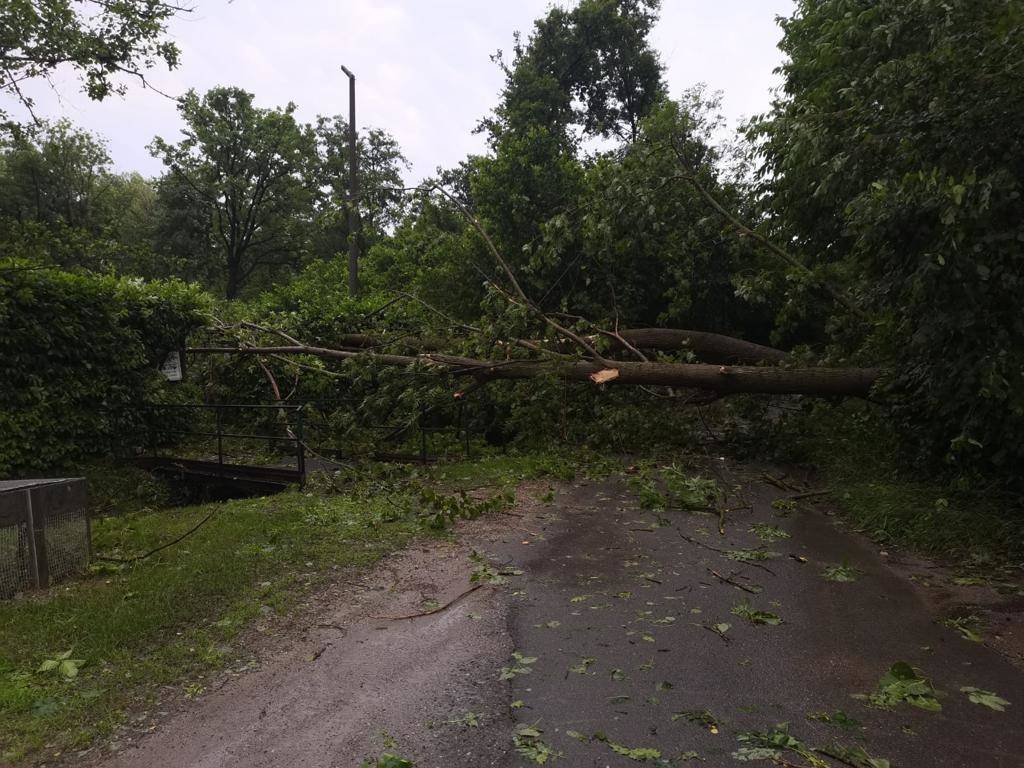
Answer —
44 532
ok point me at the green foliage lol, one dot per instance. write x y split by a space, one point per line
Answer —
439 510
687 491
985 698
750 555
862 460
768 533
837 718
80 356
891 163
381 196
61 203
522 665
701 717
769 745
855 756
746 611
969 627
528 743
247 165
387 760
590 66
681 489
116 488
840 572
904 684
62 664
100 43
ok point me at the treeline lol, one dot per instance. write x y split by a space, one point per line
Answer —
250 196
873 216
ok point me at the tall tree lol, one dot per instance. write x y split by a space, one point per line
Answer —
100 39
381 197
251 167
56 173
894 160
585 72
591 66
61 203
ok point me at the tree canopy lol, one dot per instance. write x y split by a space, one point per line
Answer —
100 40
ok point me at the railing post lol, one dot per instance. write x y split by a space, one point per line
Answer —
300 446
220 440
151 428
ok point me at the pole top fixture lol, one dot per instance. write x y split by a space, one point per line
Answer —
348 72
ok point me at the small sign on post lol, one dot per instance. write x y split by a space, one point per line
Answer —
172 368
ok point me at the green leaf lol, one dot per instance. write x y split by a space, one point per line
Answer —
985 698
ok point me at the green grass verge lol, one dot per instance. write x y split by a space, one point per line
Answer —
857 456
175 618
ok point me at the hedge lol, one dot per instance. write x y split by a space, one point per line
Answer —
79 354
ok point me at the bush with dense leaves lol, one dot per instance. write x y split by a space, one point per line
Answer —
894 162
80 356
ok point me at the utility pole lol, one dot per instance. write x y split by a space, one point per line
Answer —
353 189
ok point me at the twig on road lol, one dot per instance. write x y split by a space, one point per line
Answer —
432 611
727 580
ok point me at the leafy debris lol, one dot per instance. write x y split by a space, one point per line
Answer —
903 684
528 743
521 667
768 533
746 611
841 572
985 698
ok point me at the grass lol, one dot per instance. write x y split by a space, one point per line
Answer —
172 617
176 618
856 455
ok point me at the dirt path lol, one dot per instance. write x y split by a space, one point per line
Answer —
618 612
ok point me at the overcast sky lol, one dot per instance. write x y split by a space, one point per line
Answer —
423 66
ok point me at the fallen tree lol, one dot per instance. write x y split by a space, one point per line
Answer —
551 357
719 379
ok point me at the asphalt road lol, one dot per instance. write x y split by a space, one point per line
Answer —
618 618
619 610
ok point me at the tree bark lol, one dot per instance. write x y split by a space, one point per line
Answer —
709 347
722 379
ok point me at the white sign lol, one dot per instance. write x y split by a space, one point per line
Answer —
171 368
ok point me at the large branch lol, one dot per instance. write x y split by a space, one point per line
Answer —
708 347
821 382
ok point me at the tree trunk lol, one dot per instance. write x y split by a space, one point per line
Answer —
722 379
710 347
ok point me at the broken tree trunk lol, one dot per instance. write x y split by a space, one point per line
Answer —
722 379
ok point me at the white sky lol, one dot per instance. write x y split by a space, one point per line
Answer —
422 66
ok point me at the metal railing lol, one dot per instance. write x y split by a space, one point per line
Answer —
294 428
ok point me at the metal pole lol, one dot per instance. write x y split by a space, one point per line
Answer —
353 189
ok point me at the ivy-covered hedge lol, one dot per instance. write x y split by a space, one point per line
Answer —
78 356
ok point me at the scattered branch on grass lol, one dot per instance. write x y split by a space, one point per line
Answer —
137 558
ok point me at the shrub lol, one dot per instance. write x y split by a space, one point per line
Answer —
79 358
